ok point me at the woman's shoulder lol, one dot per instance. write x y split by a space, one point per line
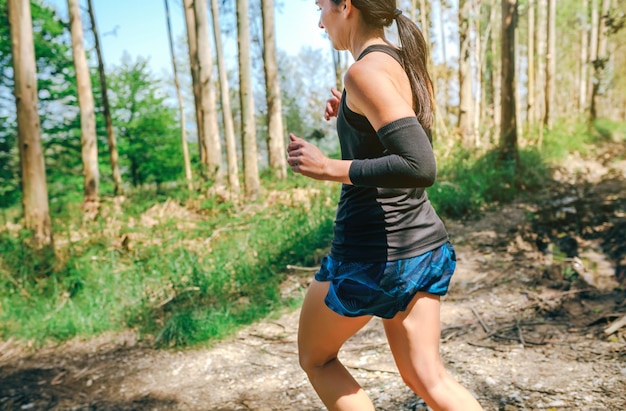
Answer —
375 88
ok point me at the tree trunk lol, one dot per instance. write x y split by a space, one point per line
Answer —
87 114
112 143
497 68
34 187
550 66
190 23
339 62
599 63
252 184
477 46
593 45
541 43
210 131
530 99
466 103
508 132
276 134
181 106
227 115
584 57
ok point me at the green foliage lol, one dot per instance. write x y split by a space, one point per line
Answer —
184 268
181 271
469 181
148 134
57 91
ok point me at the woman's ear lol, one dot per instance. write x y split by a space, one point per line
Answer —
347 8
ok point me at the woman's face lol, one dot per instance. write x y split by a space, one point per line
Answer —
330 20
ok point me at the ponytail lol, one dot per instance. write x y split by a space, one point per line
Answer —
414 55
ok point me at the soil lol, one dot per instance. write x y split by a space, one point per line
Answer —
526 326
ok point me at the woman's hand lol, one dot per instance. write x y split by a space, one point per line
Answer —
332 104
306 159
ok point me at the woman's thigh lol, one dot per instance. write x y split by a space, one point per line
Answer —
322 332
414 336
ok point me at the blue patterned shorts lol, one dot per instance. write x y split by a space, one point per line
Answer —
384 289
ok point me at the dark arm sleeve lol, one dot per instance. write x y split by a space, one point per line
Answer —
409 161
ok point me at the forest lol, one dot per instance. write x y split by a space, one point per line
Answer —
160 209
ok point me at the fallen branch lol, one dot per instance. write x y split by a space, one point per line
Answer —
520 334
175 294
616 326
480 320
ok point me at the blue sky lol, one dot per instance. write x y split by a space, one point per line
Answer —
138 27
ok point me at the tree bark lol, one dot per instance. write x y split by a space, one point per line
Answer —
181 105
550 66
227 115
593 44
542 47
339 63
599 63
477 46
276 133
190 24
530 99
34 187
112 143
466 102
497 67
252 184
584 57
87 115
508 133
210 132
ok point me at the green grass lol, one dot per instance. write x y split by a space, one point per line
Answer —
186 268
179 281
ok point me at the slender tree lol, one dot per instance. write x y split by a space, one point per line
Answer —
227 115
252 182
339 63
508 132
496 76
593 44
190 24
600 62
550 66
276 133
87 114
530 99
210 132
541 20
584 57
181 105
112 142
477 53
466 102
486 67
34 187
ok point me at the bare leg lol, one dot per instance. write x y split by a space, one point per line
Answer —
321 334
413 336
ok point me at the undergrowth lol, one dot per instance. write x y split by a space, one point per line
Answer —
184 268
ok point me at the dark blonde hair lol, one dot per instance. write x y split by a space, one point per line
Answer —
413 51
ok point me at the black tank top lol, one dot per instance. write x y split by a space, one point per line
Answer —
379 224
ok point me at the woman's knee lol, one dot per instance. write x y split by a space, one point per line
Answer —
311 360
425 376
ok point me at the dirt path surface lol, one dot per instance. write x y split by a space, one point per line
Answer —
524 328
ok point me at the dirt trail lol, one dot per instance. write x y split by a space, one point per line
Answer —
521 329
